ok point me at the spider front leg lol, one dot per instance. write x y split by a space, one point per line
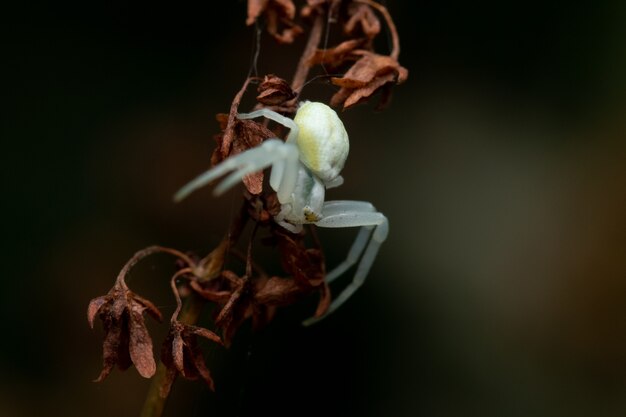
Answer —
278 118
269 153
374 230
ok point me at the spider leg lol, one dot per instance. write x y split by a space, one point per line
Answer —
284 174
252 160
374 230
335 182
278 118
291 166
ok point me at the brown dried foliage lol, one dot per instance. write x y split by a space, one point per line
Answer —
274 91
126 340
369 74
181 354
254 295
279 16
247 134
361 19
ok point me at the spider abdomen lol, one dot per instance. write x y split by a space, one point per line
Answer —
322 140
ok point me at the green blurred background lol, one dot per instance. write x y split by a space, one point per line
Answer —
501 165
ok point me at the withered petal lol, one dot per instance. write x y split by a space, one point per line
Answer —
337 55
365 92
274 91
178 352
202 370
369 66
140 344
166 386
150 307
120 303
94 307
286 7
255 8
206 333
362 15
110 351
277 291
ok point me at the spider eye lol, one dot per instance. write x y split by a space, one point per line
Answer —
322 140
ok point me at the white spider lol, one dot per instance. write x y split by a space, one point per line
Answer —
303 166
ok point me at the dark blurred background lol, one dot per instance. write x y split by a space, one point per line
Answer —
501 165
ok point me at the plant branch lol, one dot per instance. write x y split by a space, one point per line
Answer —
147 252
302 71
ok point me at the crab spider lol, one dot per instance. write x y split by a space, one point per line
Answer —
302 167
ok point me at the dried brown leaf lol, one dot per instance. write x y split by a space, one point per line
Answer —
255 8
338 55
140 345
312 7
279 15
287 34
274 91
362 19
369 66
285 8
371 73
359 95
94 307
241 135
181 354
126 340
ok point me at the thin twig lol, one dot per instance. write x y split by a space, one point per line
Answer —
312 44
179 303
147 252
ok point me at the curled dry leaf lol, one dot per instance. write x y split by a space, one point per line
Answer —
181 354
338 55
307 269
262 208
126 340
284 291
274 91
242 135
312 7
369 74
305 265
235 297
279 15
362 19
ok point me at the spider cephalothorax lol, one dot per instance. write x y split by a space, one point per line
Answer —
303 166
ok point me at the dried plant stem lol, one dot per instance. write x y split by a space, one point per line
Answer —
188 312
147 252
312 44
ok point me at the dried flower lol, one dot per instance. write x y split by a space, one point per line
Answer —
371 72
245 134
127 340
368 75
182 354
338 55
274 91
